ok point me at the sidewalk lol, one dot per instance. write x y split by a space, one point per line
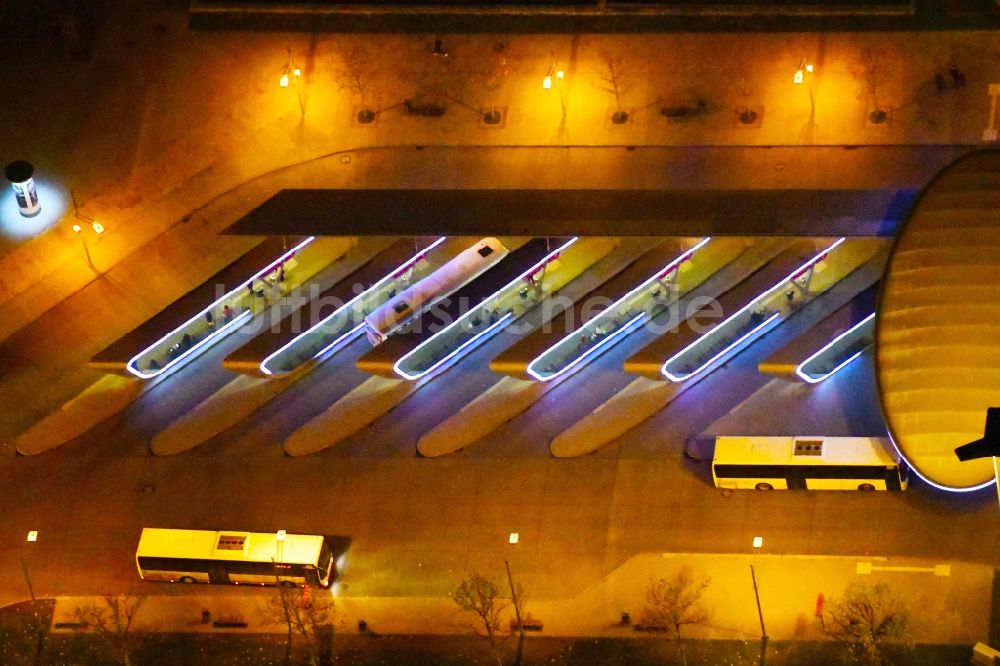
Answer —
945 609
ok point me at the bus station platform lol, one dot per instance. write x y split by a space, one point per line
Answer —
219 306
829 345
787 283
667 271
513 395
495 299
837 275
335 316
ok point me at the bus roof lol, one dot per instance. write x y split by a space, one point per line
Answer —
230 545
812 451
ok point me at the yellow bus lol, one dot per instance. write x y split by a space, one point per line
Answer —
807 463
234 557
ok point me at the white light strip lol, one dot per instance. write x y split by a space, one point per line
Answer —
412 261
950 489
477 337
397 367
763 295
133 366
733 345
812 379
621 331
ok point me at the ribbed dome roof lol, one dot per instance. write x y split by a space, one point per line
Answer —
938 323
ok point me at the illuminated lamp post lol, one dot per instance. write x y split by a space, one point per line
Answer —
32 537
19 173
805 69
554 77
291 74
96 226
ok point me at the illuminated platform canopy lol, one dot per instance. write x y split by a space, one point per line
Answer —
938 325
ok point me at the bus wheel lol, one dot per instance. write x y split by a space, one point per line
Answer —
764 486
287 583
187 579
866 487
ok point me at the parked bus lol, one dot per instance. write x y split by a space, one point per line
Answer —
809 463
239 558
415 299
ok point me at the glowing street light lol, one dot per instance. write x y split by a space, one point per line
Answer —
95 226
553 72
289 70
32 537
801 71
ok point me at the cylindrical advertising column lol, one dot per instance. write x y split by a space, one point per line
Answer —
19 174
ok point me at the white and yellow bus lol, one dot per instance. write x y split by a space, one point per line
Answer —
233 557
807 463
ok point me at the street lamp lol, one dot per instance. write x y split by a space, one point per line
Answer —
289 70
95 226
32 537
553 73
554 77
804 69
801 71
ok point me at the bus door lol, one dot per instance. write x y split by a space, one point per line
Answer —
796 481
217 573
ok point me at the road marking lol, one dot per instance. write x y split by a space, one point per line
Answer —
937 570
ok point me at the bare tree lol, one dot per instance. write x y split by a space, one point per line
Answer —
872 621
744 112
870 73
304 616
355 74
613 81
490 75
675 603
113 622
479 595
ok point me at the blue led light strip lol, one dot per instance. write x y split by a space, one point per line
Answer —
346 337
217 334
397 367
812 379
621 332
791 276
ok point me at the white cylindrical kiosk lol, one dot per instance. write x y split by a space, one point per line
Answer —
19 174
